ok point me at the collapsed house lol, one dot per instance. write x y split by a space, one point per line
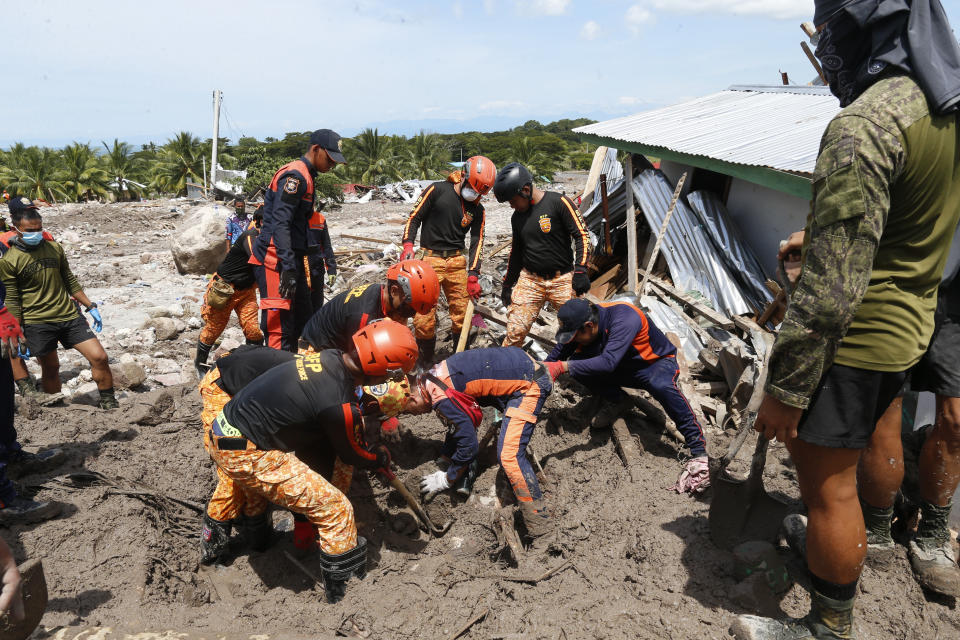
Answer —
746 158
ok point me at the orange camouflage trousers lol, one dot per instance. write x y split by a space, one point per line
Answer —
244 302
452 273
529 294
281 478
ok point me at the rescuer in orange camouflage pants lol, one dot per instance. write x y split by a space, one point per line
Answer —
529 295
244 302
229 500
452 273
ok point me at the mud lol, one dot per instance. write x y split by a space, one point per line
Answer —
124 552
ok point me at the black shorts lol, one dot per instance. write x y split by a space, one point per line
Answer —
939 369
846 406
42 338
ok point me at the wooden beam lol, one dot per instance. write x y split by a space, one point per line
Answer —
697 307
629 450
493 316
631 225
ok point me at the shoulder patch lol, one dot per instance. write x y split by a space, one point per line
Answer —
292 185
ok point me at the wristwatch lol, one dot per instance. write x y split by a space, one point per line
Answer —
93 305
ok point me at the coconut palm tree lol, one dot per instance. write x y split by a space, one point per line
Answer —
425 157
527 154
123 168
34 172
181 161
83 177
371 158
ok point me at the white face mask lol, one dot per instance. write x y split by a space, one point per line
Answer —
468 194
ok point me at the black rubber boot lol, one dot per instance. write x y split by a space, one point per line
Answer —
200 362
464 486
828 619
108 399
259 342
339 567
258 531
214 540
427 347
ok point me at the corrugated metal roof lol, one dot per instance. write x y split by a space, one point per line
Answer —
777 127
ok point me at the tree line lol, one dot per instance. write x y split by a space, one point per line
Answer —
84 172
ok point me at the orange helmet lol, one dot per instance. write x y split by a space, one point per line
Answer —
419 282
392 396
479 173
385 347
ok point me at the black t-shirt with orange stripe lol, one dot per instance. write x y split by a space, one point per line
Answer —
446 218
542 238
236 268
333 325
308 404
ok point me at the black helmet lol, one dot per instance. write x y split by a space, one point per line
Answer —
511 180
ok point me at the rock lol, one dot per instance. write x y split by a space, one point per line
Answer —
127 375
194 322
198 244
87 394
158 312
176 310
754 595
145 258
126 357
758 557
169 379
180 325
163 365
164 328
151 408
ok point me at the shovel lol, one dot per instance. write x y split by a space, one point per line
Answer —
394 482
33 588
740 509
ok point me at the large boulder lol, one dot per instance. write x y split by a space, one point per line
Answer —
198 244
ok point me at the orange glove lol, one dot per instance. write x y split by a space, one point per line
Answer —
473 287
390 430
407 253
304 535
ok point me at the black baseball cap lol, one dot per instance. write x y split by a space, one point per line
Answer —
329 141
21 203
572 315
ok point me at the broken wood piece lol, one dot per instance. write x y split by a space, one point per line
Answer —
710 360
543 576
654 414
366 238
490 314
695 305
500 247
629 450
466 627
713 387
507 534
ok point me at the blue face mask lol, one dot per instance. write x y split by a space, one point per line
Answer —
32 238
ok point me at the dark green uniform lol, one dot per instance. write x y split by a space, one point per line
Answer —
886 200
39 284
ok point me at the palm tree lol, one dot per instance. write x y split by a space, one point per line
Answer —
84 179
33 172
533 159
425 156
123 167
371 158
181 161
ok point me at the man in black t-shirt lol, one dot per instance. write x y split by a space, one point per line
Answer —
234 273
309 407
411 288
447 210
543 267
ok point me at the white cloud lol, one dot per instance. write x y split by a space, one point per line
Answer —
458 9
629 100
500 106
589 30
778 9
637 16
544 7
489 6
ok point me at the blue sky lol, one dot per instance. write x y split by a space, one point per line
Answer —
99 69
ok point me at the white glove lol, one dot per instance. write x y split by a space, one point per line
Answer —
436 481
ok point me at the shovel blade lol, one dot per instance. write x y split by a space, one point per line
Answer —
742 511
34 590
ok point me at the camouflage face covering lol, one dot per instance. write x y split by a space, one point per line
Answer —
844 53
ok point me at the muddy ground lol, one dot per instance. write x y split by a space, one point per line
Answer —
124 551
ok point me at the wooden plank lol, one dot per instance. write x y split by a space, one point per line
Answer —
713 387
490 314
697 307
629 450
631 225
500 247
366 238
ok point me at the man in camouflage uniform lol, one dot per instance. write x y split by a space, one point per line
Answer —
886 200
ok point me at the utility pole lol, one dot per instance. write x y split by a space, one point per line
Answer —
217 98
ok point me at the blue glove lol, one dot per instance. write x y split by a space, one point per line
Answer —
97 320
24 352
